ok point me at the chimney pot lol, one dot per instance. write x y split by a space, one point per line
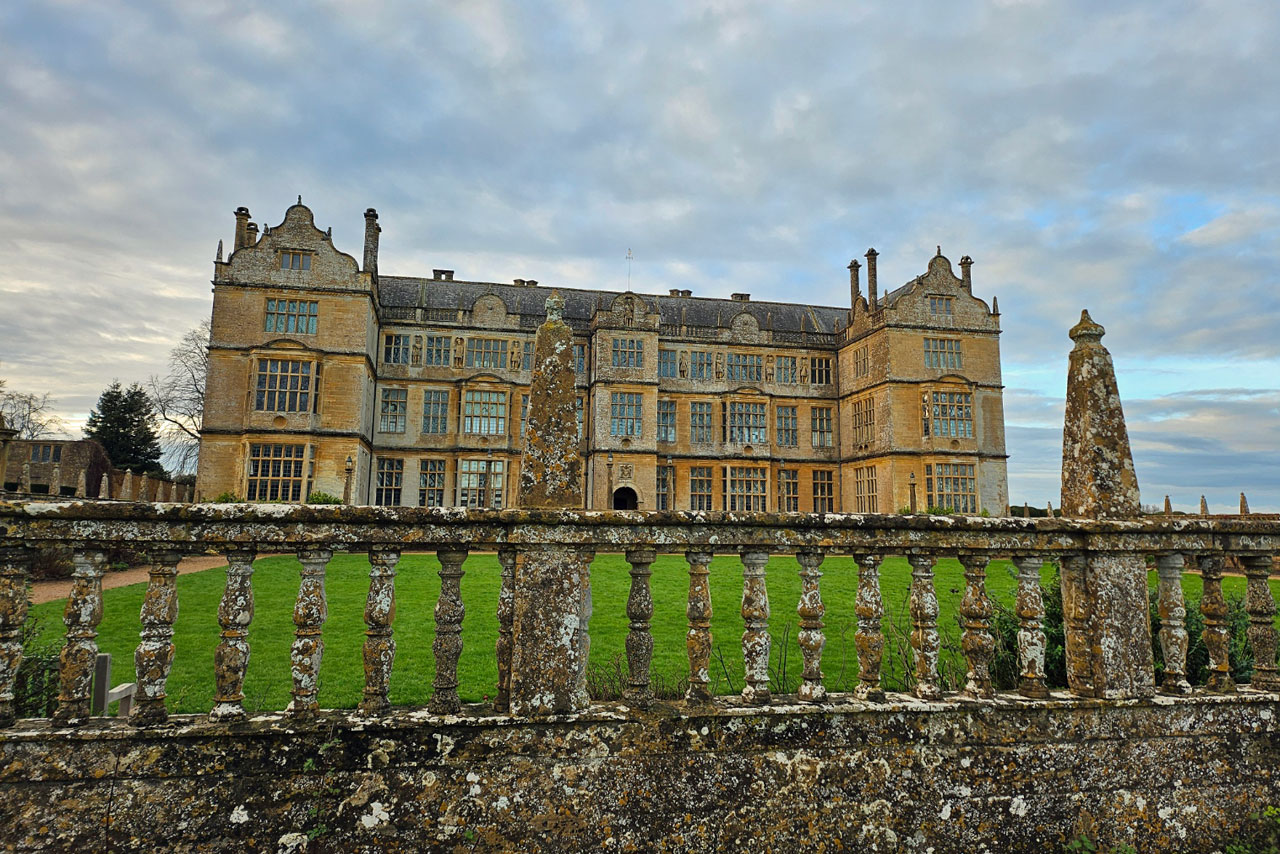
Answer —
531 283
873 298
518 282
371 232
242 230
741 297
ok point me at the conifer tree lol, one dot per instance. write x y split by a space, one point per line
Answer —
124 424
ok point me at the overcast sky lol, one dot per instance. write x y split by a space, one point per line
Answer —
1120 157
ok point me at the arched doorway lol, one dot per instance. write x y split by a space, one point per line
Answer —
624 498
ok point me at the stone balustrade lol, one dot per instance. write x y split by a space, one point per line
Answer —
167 532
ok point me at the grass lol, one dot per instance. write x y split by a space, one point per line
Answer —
275 587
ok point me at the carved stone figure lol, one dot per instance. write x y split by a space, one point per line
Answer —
458 344
719 366
684 364
768 369
804 370
416 356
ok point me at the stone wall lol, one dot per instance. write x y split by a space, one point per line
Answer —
1010 776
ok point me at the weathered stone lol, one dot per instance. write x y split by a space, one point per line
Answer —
810 610
1024 777
925 642
550 645
1217 631
379 641
639 639
976 640
24 484
1031 640
1105 591
231 658
755 634
1204 506
104 487
869 638
1168 506
154 655
309 614
82 615
1261 606
698 639
1173 624
552 598
14 563
506 614
82 485
551 467
447 645
1244 505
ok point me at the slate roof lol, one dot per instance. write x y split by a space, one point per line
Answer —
581 305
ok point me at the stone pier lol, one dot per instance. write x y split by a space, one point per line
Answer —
552 584
1104 594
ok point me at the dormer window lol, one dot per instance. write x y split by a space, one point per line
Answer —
295 260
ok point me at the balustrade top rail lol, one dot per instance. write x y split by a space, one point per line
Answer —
262 526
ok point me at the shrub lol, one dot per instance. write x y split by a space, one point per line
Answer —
227 498
51 563
35 688
318 497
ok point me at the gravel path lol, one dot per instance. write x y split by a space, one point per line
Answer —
48 591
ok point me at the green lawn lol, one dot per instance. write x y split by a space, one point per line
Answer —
275 586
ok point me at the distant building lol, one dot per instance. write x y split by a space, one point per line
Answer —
685 402
54 466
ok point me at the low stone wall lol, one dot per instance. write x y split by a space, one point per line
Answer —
1014 775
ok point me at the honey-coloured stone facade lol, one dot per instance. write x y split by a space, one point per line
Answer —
326 376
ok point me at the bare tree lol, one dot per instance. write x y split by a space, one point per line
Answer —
30 414
178 398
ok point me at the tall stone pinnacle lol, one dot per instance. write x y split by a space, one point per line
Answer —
1244 505
1107 630
1098 478
550 465
551 599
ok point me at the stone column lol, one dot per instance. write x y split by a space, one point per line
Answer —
1261 606
552 602
231 658
755 633
154 655
1217 631
639 640
869 638
976 641
506 615
1173 624
1108 590
82 615
810 610
379 641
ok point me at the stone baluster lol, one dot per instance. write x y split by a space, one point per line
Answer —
976 640
924 626
309 614
154 655
231 659
82 615
1173 623
1261 606
506 615
755 634
1217 632
1031 641
639 639
698 640
447 645
810 610
379 642
14 563
869 638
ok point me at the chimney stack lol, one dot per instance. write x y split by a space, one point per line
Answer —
242 228
371 231
251 234
872 294
855 287
966 277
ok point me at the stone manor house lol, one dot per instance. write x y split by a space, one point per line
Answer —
326 376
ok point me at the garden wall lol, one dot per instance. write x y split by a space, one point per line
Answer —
1010 775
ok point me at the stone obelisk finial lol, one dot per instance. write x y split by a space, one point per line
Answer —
1168 506
550 466
1108 630
1204 506
551 595
1244 505
1098 479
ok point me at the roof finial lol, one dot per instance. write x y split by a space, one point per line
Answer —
939 250
219 256
299 198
